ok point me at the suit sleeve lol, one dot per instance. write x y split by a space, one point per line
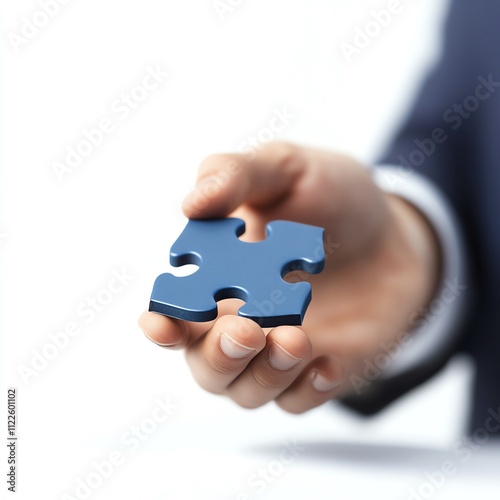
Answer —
430 160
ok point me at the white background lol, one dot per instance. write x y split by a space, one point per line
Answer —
119 210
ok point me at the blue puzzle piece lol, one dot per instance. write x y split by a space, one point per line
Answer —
231 268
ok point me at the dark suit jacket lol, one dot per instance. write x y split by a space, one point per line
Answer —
461 96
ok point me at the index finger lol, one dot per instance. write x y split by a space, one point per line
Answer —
226 181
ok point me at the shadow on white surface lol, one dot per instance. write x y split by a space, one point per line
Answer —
470 458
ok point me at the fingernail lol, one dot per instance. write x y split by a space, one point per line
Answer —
234 349
322 383
281 359
159 343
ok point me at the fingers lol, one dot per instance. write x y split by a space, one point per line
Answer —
170 332
236 358
175 333
322 381
220 356
274 369
226 181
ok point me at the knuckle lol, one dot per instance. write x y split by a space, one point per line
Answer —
266 381
222 366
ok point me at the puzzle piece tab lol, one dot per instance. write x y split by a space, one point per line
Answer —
231 268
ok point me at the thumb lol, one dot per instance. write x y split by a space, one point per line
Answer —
226 181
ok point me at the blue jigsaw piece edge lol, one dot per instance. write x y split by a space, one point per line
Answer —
231 268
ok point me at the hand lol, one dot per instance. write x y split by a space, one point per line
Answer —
381 267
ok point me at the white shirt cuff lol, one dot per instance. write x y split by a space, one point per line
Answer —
441 321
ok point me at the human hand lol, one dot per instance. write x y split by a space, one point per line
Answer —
381 266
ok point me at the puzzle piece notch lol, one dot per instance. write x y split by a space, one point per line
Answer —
231 268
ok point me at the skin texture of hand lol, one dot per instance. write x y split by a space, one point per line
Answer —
382 264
